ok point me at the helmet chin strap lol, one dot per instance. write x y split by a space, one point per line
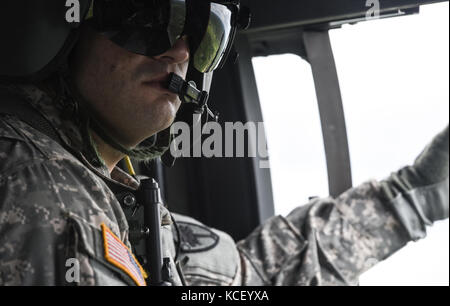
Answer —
207 81
151 148
195 104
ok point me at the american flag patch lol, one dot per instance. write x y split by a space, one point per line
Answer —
118 254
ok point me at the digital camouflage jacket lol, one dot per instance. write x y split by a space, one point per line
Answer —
57 208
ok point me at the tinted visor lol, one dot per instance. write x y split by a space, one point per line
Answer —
213 47
146 27
151 27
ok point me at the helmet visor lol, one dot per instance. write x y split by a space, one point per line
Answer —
143 27
151 27
214 45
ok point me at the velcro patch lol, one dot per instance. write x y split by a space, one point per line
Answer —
196 238
118 254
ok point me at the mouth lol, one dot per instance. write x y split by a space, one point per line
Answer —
160 84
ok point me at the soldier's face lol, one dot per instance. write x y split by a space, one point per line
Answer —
126 91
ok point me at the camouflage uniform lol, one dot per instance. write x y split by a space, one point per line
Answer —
53 203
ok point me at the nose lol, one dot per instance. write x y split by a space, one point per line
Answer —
178 54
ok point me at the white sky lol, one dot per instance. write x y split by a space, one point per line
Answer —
394 79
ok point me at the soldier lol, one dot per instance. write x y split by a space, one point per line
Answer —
90 95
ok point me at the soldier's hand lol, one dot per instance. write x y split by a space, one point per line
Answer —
425 184
432 164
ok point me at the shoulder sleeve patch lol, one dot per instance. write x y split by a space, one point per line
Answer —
118 254
196 238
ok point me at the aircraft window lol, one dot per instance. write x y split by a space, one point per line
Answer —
294 135
394 80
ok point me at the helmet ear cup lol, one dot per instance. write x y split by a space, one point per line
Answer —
33 33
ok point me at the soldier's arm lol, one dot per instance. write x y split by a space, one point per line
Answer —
334 241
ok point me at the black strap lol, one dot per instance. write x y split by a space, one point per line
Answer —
13 104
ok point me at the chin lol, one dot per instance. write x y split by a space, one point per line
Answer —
155 115
167 110
164 125
165 120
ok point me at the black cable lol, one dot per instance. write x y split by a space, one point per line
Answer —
178 232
